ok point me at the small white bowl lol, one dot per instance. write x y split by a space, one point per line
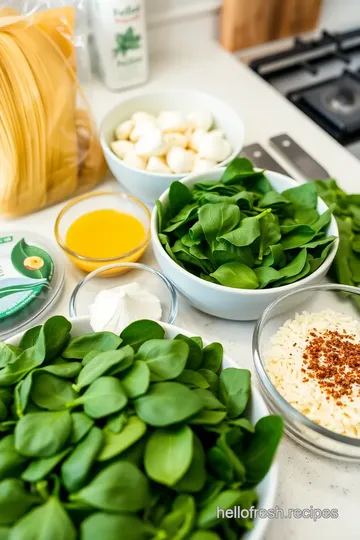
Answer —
227 302
267 488
149 186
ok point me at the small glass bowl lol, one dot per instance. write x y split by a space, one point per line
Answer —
154 281
97 200
339 298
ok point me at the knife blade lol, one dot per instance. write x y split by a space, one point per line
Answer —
297 156
260 158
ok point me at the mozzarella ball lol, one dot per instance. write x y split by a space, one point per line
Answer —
203 165
180 160
157 165
141 128
219 132
176 139
195 139
151 144
214 147
142 117
122 132
133 160
200 120
120 148
169 121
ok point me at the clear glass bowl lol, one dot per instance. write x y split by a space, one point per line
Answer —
339 298
113 200
154 281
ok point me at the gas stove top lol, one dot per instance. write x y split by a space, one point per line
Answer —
322 78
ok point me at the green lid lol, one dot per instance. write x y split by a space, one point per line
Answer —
31 277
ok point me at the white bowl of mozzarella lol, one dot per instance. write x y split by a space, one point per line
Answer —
153 139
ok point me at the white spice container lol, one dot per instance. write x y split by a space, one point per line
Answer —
119 29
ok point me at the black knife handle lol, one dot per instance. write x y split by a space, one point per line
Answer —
298 157
260 158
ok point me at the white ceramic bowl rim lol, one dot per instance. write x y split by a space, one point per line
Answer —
173 176
214 286
293 413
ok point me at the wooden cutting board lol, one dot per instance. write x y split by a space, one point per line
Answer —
246 23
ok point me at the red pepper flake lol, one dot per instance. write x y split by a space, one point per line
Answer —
333 360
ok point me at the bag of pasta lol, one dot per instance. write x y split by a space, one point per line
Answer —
49 150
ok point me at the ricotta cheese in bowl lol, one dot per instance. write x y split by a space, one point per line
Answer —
314 362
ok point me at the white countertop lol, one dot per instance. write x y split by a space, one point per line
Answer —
305 479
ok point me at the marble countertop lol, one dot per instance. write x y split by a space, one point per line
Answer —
305 479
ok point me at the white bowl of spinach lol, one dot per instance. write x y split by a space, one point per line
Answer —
136 437
235 239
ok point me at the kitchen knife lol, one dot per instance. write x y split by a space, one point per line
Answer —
298 157
260 158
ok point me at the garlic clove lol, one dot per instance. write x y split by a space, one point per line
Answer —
151 144
122 132
203 165
133 160
195 139
157 165
200 120
120 148
180 160
214 147
169 121
176 139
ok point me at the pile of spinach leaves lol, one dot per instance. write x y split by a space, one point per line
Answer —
346 266
240 233
130 437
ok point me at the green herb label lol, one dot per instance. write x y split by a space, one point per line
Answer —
25 272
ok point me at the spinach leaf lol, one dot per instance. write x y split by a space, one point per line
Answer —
269 233
104 362
297 237
195 355
207 517
212 357
211 378
304 272
81 425
303 196
161 215
136 379
15 501
116 443
116 422
179 522
167 403
109 527
266 275
42 434
225 252
165 358
272 199
208 418
141 331
120 487
49 392
49 520
218 219
40 468
234 390
8 354
259 454
29 338
245 234
79 347
274 256
192 379
194 479
76 468
67 370
11 461
236 275
204 535
179 196
295 266
103 397
168 454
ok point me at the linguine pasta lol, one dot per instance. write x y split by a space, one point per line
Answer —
48 146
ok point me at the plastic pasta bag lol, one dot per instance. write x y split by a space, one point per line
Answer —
49 150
